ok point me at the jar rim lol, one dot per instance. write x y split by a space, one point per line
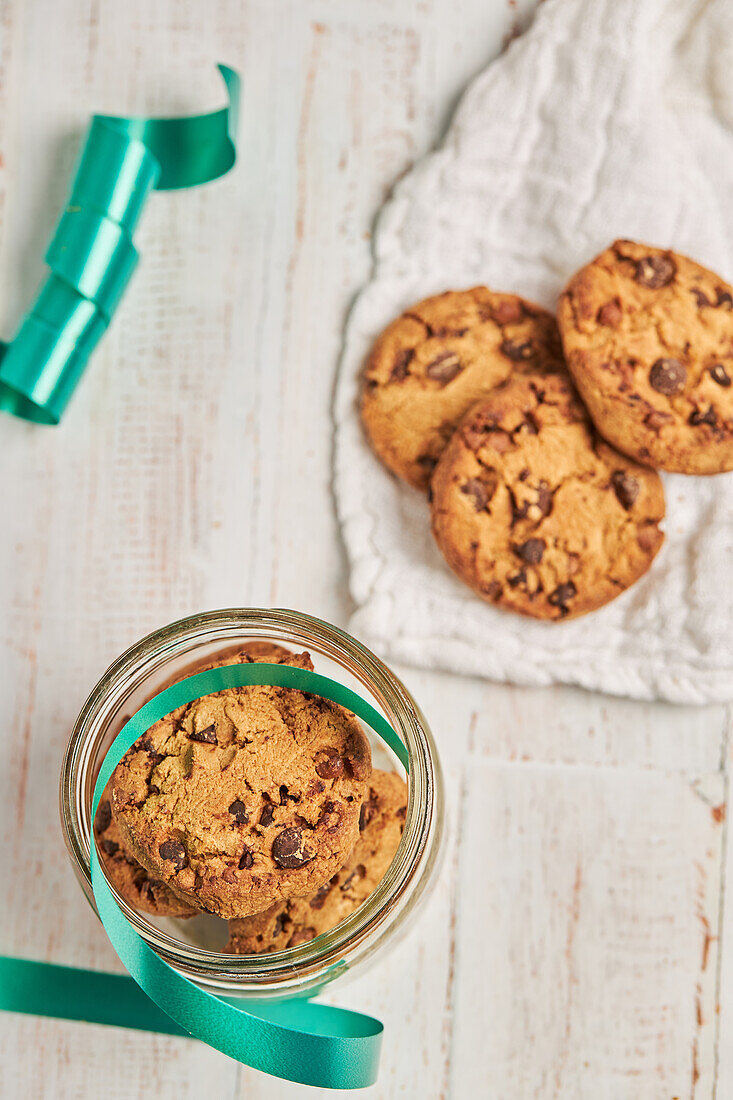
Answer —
316 960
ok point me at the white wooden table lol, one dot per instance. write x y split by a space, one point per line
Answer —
580 943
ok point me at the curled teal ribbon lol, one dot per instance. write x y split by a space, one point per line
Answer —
91 255
294 1039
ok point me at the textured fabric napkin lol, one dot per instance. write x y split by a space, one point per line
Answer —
611 118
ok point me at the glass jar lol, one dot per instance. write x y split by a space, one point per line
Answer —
191 948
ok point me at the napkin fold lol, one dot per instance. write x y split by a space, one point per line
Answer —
605 119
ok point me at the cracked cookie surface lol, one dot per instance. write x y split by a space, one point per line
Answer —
435 361
129 878
535 512
648 336
298 920
244 797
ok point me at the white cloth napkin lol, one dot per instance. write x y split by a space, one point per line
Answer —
607 118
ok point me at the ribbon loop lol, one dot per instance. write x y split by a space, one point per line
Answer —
131 171
94 255
294 1039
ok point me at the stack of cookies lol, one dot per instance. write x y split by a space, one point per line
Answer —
537 438
257 804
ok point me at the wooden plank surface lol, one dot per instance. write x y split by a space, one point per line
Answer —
576 944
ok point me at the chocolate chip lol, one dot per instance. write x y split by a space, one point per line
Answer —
400 366
278 926
146 889
288 849
719 374
267 814
492 590
625 487
667 376
529 425
562 595
701 297
480 491
697 417
318 900
358 873
329 764
174 851
519 511
246 859
655 271
238 810
725 301
508 312
531 551
368 810
517 351
149 748
330 818
110 847
207 736
544 498
104 817
517 579
610 313
444 367
301 935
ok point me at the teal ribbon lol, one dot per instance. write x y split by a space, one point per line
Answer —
91 255
295 1039
69 993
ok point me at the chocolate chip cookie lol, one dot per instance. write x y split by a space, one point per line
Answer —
129 878
244 797
648 336
297 920
436 360
535 512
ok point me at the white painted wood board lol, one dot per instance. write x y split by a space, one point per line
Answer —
193 471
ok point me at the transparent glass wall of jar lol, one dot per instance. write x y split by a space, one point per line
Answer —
168 655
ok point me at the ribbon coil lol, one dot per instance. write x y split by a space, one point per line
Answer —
91 256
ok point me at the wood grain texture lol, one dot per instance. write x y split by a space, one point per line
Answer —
600 887
578 942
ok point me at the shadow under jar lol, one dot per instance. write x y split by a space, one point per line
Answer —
193 947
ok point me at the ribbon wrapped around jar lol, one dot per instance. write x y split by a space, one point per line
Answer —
254 1008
